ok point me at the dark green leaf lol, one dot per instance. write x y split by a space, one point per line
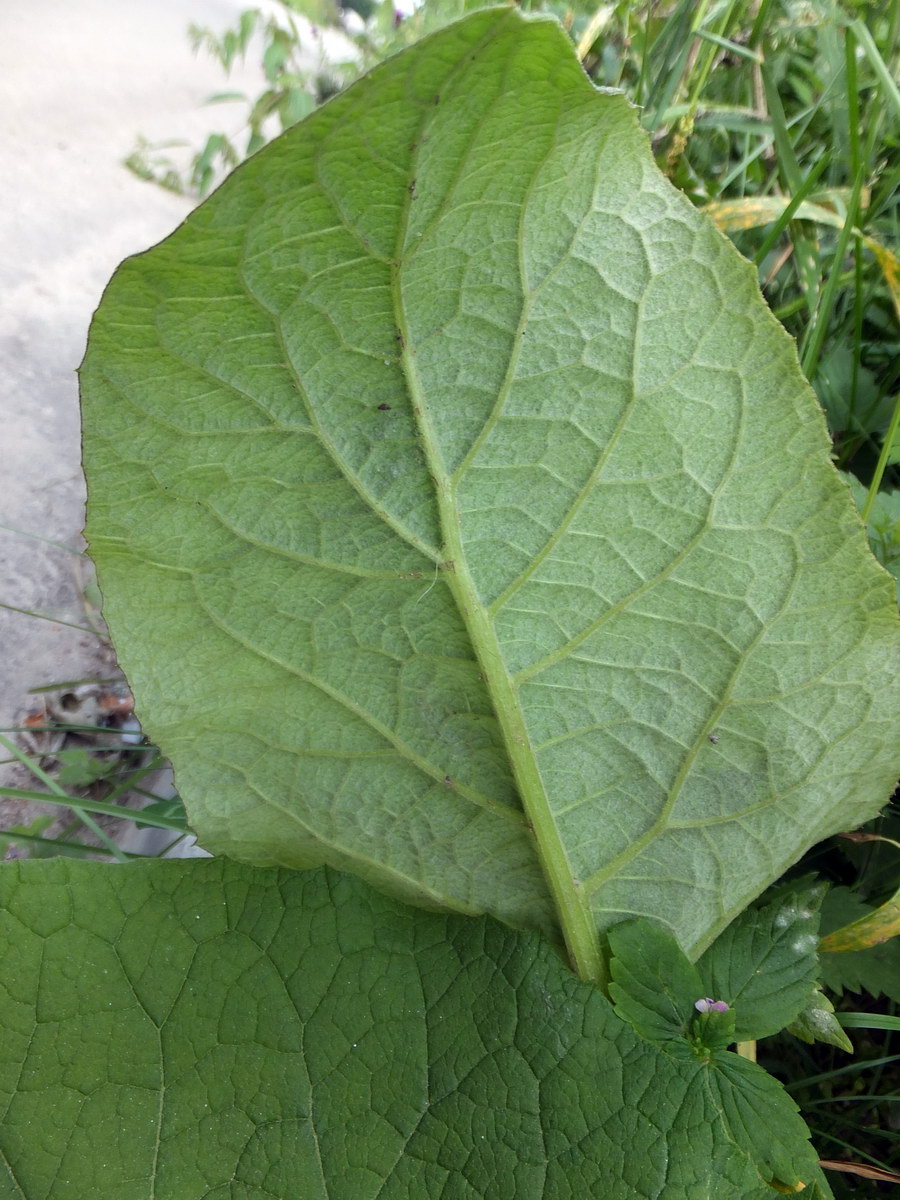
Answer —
80 768
876 970
655 986
760 1117
201 1029
765 963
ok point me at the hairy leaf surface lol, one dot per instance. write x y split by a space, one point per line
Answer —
465 522
205 1029
654 985
765 963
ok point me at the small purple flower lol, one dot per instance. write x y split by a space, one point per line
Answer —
707 1004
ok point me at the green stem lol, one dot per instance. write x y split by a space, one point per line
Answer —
30 612
814 339
575 916
889 90
572 907
9 838
882 461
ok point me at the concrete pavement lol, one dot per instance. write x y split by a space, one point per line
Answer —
78 82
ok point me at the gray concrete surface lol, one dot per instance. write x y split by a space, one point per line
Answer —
79 79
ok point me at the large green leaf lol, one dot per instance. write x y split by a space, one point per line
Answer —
464 520
209 1030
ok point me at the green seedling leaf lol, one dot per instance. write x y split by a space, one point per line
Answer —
31 836
464 520
654 985
752 1108
817 1023
765 964
80 768
170 809
203 1028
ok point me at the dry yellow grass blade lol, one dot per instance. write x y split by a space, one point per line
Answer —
750 212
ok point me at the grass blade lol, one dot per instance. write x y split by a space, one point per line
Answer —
817 331
97 806
77 848
889 89
883 457
787 216
860 1020
30 612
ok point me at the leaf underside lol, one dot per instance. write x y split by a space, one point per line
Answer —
464 521
207 1030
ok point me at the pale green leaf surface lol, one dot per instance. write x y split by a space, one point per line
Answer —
202 1029
464 521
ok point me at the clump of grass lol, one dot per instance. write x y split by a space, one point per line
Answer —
87 769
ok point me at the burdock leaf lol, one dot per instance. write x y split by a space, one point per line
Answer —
464 520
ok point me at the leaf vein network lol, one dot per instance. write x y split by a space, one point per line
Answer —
405 751
599 877
349 475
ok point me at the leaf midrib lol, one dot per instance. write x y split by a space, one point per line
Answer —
572 908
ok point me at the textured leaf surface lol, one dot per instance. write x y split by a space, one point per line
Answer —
654 984
204 1029
817 1023
765 964
464 520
